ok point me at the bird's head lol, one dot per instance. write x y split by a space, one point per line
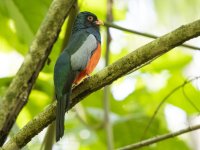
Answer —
86 20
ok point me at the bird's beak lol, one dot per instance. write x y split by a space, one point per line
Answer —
99 22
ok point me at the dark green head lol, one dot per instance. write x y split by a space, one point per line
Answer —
85 20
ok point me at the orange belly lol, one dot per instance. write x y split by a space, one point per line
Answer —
90 66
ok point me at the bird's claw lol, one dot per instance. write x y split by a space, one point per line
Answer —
74 85
87 77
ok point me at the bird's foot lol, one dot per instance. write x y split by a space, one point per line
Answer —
74 85
87 77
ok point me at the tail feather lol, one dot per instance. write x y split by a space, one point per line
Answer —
60 115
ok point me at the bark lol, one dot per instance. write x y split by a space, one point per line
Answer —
129 63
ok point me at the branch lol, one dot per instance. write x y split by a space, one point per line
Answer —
108 24
159 138
18 92
106 76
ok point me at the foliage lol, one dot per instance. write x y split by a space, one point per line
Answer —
130 114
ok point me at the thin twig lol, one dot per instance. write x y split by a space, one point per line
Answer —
189 100
159 138
108 24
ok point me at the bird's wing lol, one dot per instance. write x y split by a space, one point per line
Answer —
63 75
63 79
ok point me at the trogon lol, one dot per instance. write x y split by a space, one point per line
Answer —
77 60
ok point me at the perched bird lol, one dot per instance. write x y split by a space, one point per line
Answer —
77 60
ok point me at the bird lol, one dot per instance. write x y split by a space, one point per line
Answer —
76 62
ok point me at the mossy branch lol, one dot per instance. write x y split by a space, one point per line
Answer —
130 62
20 87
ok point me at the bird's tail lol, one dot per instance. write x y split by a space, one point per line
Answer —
60 115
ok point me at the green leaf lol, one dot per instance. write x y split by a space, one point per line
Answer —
20 21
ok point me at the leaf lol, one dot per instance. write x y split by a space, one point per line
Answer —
20 21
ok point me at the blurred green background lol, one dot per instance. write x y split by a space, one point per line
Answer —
133 98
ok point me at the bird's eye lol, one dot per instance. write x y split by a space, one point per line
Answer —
90 18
